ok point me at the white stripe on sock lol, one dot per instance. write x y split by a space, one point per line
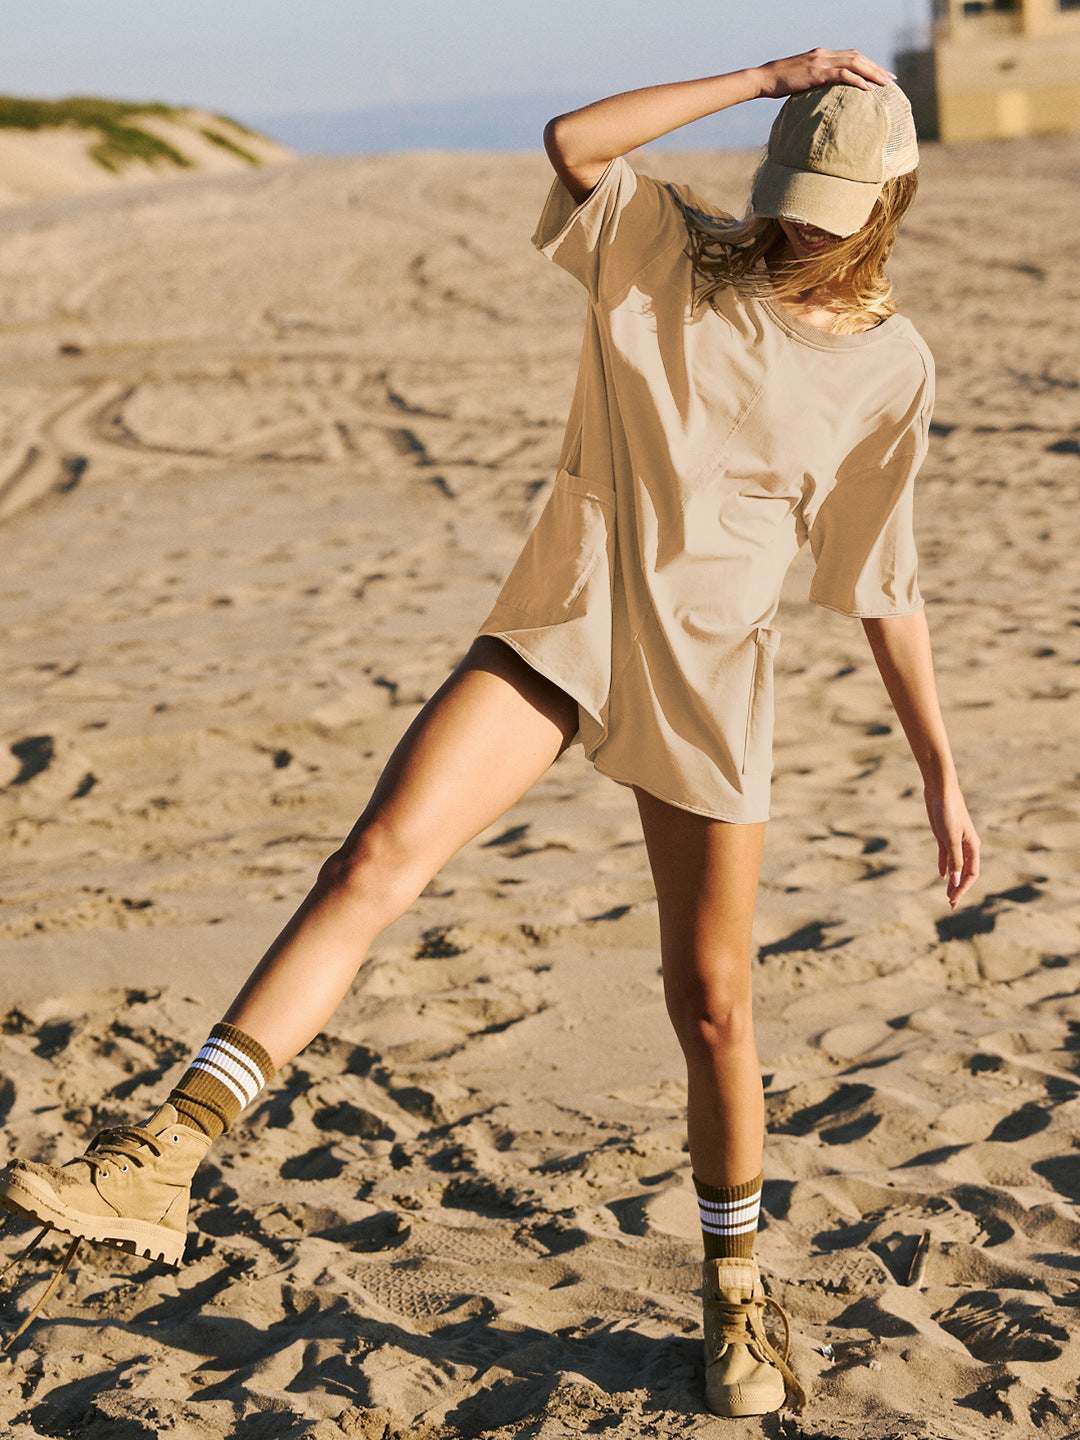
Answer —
722 1210
730 1217
212 1054
248 1063
711 1229
221 1076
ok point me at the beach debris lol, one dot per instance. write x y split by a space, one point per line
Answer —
918 1260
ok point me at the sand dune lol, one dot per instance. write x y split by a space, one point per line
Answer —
66 159
268 444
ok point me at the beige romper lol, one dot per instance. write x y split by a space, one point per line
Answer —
705 446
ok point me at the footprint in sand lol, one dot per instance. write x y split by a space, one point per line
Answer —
321 1163
416 1289
997 1330
345 1118
385 1231
488 1196
840 1118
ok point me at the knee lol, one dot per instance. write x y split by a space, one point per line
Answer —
374 871
711 1015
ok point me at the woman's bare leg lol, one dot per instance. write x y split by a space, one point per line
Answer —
478 745
706 875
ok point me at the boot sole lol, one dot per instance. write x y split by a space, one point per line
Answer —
735 1401
138 1237
747 1408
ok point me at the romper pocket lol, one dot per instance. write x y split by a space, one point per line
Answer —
757 745
573 536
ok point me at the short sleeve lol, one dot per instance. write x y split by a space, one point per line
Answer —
862 536
614 233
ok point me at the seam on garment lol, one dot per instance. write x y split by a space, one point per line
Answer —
517 610
869 614
652 623
678 804
873 336
576 211
566 602
869 472
616 675
616 297
750 703
676 239
582 488
714 464
716 461
580 209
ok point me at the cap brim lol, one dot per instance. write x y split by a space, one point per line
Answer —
831 203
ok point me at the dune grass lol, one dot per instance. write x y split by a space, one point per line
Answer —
120 141
236 125
216 138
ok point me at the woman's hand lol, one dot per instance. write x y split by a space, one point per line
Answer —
820 67
958 844
901 647
581 143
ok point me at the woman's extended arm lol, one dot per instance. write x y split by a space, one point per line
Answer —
901 648
582 143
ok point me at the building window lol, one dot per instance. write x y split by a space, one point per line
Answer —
983 7
1069 4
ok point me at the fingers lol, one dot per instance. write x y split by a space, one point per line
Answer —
958 845
963 867
850 67
823 67
852 77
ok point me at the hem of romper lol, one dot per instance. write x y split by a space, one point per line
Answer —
549 674
869 614
546 671
680 804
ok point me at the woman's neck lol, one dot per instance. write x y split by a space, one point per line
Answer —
824 307
823 313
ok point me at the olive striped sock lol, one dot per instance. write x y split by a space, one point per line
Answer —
226 1074
729 1217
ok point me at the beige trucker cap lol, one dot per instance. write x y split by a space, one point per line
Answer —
830 151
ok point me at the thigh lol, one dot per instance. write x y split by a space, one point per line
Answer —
479 744
706 877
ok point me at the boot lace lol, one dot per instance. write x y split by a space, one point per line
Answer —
122 1146
72 1251
741 1322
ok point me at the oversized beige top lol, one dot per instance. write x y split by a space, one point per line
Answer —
706 444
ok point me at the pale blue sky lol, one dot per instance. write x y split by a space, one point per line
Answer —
266 56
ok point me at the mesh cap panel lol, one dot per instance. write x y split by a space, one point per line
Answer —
901 150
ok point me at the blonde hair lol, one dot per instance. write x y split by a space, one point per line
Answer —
851 272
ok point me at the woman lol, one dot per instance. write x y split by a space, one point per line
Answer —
743 389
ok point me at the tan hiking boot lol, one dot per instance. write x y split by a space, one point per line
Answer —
744 1374
131 1188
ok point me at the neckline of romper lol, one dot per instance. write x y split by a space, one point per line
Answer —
813 335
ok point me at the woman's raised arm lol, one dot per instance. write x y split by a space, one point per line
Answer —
901 648
582 143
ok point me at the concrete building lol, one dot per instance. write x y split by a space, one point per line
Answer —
996 68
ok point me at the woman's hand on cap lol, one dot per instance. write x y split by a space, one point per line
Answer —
820 67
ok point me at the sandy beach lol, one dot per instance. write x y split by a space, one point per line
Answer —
268 442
